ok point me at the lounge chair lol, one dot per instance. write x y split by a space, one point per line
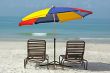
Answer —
74 53
36 51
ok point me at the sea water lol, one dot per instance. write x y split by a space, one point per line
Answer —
85 29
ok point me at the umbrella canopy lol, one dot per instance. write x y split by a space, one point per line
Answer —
54 14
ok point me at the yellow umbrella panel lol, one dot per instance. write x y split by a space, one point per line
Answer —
37 14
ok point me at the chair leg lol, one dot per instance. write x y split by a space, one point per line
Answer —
25 62
47 58
59 60
85 63
81 63
47 63
63 64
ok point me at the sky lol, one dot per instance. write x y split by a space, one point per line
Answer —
100 8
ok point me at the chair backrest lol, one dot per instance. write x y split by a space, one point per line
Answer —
36 49
75 50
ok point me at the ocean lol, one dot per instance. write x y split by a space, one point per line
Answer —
86 29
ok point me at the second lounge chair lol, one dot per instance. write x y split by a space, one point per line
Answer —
74 53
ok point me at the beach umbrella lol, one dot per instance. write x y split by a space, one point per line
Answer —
54 14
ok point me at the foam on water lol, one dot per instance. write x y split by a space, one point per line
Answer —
39 34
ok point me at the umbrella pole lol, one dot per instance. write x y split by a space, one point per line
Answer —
54 51
54 41
54 62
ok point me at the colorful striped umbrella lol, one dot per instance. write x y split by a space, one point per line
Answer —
54 14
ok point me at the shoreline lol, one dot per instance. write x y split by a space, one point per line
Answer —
88 40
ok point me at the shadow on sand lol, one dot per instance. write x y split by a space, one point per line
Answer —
98 66
92 66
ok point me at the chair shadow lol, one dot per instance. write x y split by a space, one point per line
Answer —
98 66
92 66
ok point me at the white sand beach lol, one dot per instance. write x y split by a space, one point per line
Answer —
12 54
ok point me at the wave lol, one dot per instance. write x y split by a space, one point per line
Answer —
39 34
95 38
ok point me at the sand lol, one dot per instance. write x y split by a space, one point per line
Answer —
12 54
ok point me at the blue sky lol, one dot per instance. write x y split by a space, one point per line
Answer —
100 8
